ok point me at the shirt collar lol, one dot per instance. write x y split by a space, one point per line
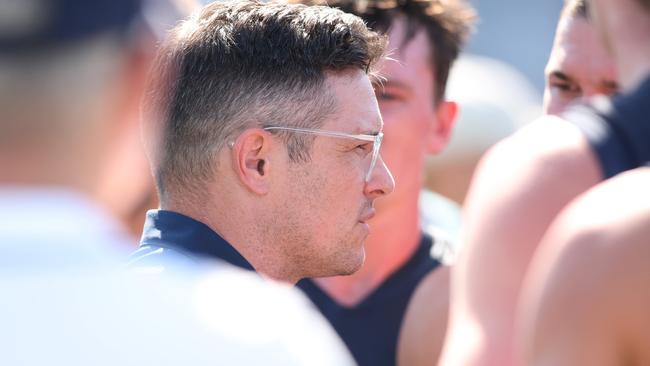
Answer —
173 230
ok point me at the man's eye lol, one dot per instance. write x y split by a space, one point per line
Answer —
566 87
611 90
364 148
385 96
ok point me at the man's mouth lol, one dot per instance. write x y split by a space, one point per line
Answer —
367 215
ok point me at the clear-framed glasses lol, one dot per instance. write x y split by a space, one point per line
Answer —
375 139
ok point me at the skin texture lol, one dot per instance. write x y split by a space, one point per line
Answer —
126 187
425 322
579 66
625 26
294 220
332 190
587 297
74 147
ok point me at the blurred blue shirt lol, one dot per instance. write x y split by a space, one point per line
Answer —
66 301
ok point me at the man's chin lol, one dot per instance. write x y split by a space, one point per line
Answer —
344 263
351 264
354 266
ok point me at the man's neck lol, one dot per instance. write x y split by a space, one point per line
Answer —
239 231
394 238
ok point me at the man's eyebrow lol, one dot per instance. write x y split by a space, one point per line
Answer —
610 84
376 131
560 75
393 84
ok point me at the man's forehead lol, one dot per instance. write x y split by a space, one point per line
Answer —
367 126
406 48
367 121
577 36
580 69
356 109
407 63
579 53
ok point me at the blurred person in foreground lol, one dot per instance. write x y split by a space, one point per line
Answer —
268 156
525 181
585 300
71 75
368 307
125 185
586 297
495 101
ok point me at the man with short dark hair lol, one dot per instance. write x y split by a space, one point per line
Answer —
266 147
368 308
579 66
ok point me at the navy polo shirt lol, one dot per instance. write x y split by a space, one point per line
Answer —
172 239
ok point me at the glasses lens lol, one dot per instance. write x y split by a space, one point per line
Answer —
375 154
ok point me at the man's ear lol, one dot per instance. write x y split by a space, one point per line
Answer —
251 159
446 113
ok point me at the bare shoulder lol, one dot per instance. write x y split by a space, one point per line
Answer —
423 328
611 218
524 181
521 184
589 297
543 154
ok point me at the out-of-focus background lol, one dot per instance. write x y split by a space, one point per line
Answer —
517 32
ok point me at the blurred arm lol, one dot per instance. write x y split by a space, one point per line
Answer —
586 299
520 186
425 322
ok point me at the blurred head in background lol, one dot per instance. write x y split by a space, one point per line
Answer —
579 65
125 185
495 100
69 88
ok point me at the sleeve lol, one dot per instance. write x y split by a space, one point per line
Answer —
618 129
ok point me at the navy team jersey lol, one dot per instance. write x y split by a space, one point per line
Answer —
371 328
618 129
